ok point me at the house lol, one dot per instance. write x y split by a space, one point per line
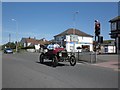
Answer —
108 46
115 32
27 42
73 38
43 41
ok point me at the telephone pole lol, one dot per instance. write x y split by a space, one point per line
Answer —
9 37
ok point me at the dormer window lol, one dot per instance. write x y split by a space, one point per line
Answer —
113 26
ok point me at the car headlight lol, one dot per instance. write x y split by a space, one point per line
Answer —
45 50
60 54
68 54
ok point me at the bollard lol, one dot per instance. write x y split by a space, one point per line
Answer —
90 58
78 55
95 56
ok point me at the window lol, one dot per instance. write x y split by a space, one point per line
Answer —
71 47
119 43
73 38
57 38
113 26
85 48
118 25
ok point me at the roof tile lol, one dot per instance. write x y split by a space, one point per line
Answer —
73 31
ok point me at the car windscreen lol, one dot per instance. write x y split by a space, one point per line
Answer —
50 46
8 49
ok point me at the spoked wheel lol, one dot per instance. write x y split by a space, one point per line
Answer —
41 58
54 61
72 61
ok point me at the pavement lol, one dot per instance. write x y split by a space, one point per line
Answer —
106 61
109 64
113 64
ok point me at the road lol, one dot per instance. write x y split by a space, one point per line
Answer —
23 70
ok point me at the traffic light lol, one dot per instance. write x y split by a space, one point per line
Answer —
97 32
100 39
97 28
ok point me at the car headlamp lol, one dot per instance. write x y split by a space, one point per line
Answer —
68 54
60 54
45 50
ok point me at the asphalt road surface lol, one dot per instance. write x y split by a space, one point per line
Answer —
23 70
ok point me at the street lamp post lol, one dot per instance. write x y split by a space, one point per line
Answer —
74 18
16 33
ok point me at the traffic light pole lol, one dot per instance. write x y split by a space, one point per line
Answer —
95 43
95 49
98 38
97 33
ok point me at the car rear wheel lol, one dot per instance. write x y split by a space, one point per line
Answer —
54 61
72 61
41 58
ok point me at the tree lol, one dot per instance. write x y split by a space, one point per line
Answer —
9 45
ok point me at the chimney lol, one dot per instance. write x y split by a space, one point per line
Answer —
44 39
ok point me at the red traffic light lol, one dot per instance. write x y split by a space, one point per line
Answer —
97 26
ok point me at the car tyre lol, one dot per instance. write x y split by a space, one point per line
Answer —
41 58
54 61
72 61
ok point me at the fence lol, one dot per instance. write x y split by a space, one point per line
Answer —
86 56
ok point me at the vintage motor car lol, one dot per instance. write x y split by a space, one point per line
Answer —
57 54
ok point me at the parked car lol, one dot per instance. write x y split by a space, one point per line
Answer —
8 50
57 54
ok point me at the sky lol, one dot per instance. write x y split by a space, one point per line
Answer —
47 19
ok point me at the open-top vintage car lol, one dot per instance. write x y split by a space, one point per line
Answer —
57 54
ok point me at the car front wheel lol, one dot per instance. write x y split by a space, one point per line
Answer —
54 61
41 58
72 61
